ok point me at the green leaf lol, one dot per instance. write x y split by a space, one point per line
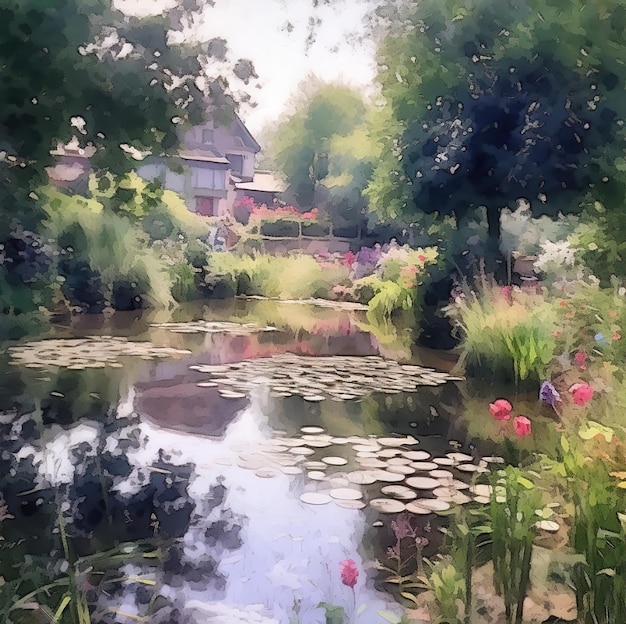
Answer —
62 605
410 597
591 429
334 614
389 616
523 481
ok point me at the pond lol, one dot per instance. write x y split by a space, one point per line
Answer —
216 464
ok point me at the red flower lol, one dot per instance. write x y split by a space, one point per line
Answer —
581 393
522 426
422 258
500 409
616 336
349 572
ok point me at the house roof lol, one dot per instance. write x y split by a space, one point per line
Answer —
247 136
204 156
263 181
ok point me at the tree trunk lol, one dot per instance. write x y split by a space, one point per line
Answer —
493 225
494 260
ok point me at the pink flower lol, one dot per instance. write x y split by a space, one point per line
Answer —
349 572
522 426
500 409
580 358
616 336
581 393
422 258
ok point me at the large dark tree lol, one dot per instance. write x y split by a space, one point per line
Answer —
497 101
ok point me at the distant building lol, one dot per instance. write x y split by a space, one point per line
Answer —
213 169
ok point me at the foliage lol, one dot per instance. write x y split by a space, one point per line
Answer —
296 276
598 532
325 151
488 110
514 500
103 258
505 333
448 584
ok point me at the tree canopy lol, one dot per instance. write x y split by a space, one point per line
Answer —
82 68
499 101
324 149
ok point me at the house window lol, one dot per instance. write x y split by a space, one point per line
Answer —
207 136
236 163
205 206
208 179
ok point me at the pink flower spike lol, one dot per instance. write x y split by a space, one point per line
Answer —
581 393
500 409
349 572
522 426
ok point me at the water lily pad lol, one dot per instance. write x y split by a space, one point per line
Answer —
345 493
368 462
460 457
301 450
313 398
398 491
481 489
290 470
389 453
388 476
361 477
398 461
401 469
315 498
350 504
416 455
441 474
315 465
335 461
434 504
444 461
423 483
265 473
311 430
387 505
423 465
451 495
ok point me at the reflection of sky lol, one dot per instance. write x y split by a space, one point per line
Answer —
290 552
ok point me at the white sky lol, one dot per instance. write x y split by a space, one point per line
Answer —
257 30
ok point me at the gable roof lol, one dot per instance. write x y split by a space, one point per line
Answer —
245 134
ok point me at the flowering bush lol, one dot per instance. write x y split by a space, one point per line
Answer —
263 212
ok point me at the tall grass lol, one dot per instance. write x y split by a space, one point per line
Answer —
506 337
286 277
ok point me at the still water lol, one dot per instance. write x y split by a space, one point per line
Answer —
152 472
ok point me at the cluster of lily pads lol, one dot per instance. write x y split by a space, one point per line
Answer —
214 327
387 472
90 352
340 378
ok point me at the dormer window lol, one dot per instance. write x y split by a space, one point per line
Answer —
207 136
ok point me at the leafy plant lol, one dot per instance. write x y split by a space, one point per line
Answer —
513 504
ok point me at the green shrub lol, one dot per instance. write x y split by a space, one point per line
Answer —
506 337
282 228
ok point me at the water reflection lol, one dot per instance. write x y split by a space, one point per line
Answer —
143 453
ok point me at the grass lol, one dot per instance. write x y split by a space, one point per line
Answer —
506 338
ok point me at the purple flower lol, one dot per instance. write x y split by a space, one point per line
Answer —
402 527
549 395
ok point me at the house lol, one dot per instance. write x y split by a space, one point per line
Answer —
214 168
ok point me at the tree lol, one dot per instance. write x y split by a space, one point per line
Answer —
325 151
500 101
82 68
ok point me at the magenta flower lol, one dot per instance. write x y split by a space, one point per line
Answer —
581 393
349 572
500 409
522 426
